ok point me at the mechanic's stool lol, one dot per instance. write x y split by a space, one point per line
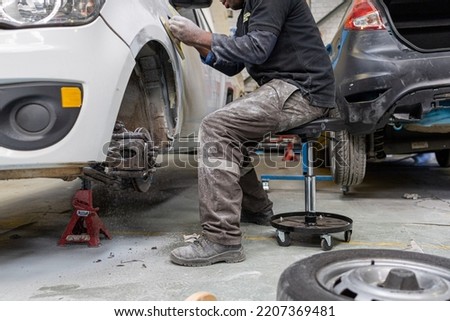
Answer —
311 222
85 225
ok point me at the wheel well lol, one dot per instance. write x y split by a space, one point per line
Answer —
150 99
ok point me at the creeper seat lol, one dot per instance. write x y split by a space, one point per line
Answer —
310 222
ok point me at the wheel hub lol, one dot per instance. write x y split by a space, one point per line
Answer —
401 279
386 280
132 156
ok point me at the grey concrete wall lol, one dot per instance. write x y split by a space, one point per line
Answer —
328 14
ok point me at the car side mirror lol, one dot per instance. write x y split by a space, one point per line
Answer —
192 4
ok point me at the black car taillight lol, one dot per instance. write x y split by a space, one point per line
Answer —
363 16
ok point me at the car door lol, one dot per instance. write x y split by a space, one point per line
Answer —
205 87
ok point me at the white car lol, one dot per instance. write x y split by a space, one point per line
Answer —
97 88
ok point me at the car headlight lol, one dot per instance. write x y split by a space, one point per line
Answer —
29 13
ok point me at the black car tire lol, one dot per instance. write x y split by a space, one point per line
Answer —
348 158
443 157
302 280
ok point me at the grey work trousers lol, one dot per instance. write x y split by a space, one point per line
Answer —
226 182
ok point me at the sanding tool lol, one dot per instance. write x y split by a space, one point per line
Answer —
174 40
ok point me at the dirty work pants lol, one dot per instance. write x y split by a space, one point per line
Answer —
225 184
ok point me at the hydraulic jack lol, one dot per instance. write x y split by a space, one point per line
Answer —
85 225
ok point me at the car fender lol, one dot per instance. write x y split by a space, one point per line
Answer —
200 89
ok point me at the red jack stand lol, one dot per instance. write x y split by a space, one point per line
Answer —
289 154
85 225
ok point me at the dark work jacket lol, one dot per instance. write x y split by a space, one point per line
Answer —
299 55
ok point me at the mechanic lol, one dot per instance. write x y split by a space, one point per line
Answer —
279 43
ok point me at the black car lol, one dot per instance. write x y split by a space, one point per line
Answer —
391 60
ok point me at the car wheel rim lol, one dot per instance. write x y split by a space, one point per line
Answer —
386 280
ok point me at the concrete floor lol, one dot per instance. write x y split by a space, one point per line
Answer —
134 264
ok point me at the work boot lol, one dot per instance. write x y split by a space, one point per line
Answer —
262 218
204 252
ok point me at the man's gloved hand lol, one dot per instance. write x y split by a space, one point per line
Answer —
185 30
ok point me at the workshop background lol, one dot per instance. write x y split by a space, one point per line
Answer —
402 205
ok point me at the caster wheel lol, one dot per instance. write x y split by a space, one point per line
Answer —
348 236
283 238
325 243
345 190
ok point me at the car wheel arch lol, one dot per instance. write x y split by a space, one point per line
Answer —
151 97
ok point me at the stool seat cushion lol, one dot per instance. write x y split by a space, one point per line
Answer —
316 127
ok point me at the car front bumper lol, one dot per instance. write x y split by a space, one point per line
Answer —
91 58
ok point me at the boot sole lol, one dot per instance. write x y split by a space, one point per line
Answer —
263 222
227 257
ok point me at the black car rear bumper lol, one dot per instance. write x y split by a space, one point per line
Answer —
379 80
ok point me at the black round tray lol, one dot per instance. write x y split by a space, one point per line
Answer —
325 223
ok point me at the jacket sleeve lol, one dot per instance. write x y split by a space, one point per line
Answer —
230 54
253 48
228 68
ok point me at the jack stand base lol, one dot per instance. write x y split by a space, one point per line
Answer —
289 154
85 225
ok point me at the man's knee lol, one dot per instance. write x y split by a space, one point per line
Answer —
211 126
